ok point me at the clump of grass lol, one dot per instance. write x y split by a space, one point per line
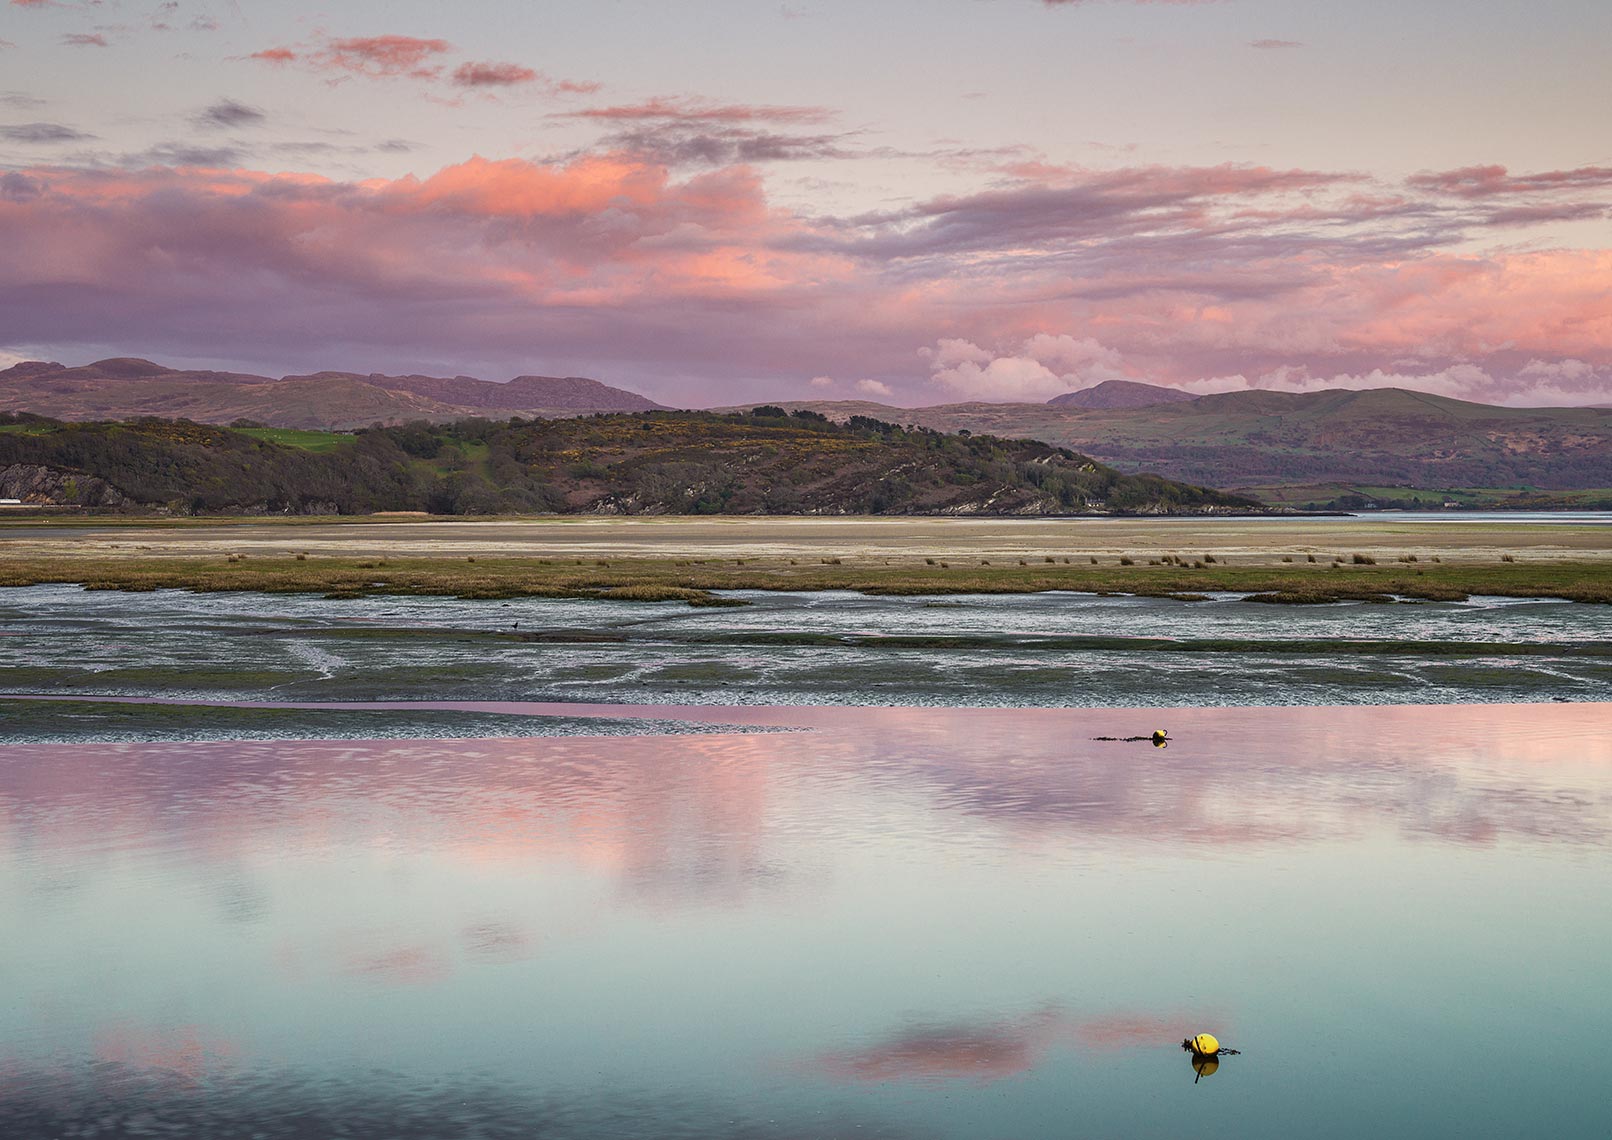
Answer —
1022 562
651 593
1050 558
1363 560
1127 560
1197 565
929 561
472 558
1436 558
1094 560
601 562
1153 562
1208 559
366 565
1508 558
1309 558
985 561
831 562
302 558
1289 558
945 565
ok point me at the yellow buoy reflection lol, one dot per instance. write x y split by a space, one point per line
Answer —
1206 1051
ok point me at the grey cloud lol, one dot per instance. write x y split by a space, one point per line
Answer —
229 113
15 187
722 146
42 133
187 154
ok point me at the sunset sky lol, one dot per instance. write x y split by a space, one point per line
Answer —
911 201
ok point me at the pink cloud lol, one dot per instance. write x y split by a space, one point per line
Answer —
384 56
1489 181
1052 279
514 75
85 39
378 57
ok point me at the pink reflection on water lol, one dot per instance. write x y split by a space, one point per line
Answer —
680 820
986 1051
188 1052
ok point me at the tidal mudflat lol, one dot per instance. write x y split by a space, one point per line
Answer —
1027 650
887 922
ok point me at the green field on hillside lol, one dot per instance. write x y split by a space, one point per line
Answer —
298 438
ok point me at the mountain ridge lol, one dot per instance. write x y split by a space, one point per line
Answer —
130 387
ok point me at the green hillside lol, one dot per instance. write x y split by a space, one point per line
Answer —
762 462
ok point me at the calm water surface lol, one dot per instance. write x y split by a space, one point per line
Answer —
885 922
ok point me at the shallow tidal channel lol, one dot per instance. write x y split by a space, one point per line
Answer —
1036 650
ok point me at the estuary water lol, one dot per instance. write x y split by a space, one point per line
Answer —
911 923
1034 650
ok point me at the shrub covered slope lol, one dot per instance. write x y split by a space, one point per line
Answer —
760 462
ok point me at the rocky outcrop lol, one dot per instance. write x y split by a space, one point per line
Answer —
56 487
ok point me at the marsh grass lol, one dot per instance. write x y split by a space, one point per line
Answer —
525 577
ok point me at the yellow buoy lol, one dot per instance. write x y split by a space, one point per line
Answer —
1204 1045
1204 1067
1160 736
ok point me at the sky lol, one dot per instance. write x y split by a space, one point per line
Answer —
906 201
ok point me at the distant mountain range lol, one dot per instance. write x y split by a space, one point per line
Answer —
127 387
1259 439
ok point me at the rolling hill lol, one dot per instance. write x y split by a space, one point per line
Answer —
128 387
1249 440
766 462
